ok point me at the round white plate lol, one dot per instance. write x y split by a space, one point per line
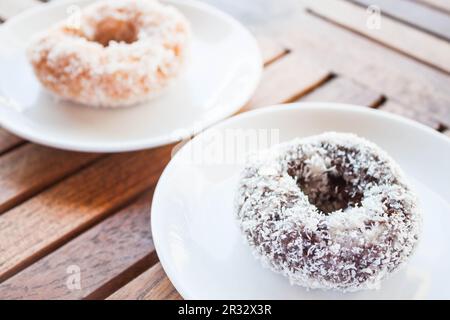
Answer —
200 245
221 73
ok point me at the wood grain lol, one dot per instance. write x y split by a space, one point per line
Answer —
287 79
108 256
271 50
443 5
379 68
447 133
30 168
43 223
256 14
8 141
413 14
343 90
415 43
11 8
151 285
411 112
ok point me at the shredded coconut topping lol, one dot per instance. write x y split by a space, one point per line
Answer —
332 211
124 52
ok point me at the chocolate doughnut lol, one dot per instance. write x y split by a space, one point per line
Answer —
332 211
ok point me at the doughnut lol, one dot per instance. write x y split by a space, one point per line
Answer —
121 53
331 211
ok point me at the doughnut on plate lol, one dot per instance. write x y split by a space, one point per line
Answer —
205 92
194 224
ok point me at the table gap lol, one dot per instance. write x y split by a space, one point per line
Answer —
381 100
431 6
69 236
442 128
128 275
13 147
32 193
405 21
356 32
322 82
284 53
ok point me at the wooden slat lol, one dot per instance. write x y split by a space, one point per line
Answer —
151 285
422 46
11 8
108 256
343 90
447 133
255 14
413 14
46 221
30 168
271 50
286 80
8 141
443 5
379 68
420 115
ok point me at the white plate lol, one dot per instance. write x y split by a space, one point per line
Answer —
222 72
200 245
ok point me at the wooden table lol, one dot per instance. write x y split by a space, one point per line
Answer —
67 216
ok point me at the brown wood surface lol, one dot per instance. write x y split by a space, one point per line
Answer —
414 14
30 168
411 112
377 67
342 90
8 141
60 209
108 255
41 224
440 5
286 80
412 42
271 50
152 284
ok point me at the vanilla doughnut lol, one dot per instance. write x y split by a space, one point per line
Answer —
331 211
122 52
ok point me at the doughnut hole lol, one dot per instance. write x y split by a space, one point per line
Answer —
115 30
332 187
